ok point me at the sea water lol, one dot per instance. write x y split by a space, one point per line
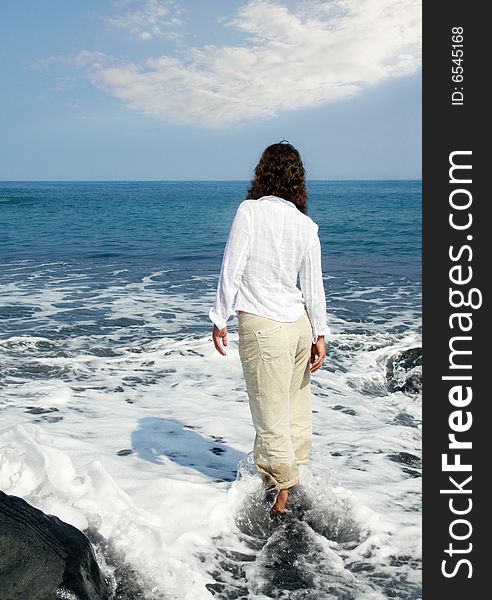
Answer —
118 415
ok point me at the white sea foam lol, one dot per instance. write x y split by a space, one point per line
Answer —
140 435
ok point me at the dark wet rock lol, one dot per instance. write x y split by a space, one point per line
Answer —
281 557
361 567
218 439
345 410
288 558
404 560
406 420
414 474
126 582
125 452
39 410
217 451
334 525
129 379
395 584
42 555
48 419
403 371
407 459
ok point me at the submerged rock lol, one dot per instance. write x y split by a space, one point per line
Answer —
126 582
41 556
404 371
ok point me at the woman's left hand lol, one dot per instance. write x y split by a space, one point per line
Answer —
219 337
318 353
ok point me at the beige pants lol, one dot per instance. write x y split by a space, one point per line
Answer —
275 360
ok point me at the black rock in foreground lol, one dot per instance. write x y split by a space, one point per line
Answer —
40 555
401 372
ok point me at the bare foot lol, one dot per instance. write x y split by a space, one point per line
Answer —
281 502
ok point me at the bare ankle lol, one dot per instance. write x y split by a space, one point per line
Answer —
281 501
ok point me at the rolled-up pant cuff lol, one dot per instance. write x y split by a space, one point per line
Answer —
271 481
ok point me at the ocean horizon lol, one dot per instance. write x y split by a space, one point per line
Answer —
188 180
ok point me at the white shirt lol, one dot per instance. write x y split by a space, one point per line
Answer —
270 244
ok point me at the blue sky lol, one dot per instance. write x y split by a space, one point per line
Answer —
163 89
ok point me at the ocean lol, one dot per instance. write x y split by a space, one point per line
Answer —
118 415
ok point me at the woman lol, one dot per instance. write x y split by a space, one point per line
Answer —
281 328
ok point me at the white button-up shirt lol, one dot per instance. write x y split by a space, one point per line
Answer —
270 244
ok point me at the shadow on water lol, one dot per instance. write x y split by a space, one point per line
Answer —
157 438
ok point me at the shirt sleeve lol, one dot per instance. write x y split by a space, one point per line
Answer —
233 264
311 280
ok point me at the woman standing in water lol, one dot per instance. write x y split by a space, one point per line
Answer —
282 328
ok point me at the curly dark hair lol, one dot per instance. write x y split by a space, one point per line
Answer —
280 172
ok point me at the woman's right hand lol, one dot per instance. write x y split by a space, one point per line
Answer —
318 353
219 337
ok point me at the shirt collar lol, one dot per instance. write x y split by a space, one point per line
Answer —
272 197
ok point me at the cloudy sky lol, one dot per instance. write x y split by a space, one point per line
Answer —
194 89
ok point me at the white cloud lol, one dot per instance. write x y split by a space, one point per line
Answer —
314 53
153 18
